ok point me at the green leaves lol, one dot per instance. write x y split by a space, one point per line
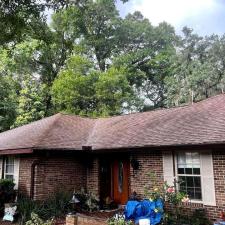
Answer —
7 102
198 72
30 102
83 90
90 61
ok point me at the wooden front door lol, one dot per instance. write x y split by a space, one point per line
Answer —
120 175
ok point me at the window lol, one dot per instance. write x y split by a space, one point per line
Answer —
195 170
189 174
9 168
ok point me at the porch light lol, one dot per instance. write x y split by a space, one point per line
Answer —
73 202
135 164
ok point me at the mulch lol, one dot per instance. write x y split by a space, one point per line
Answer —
7 223
57 222
62 221
102 214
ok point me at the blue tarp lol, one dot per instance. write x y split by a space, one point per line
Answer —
145 209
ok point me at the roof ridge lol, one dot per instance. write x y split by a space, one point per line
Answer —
208 99
91 132
185 105
57 116
80 116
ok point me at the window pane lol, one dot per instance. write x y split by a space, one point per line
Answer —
188 164
190 185
10 177
190 182
9 168
191 193
197 182
198 194
182 181
196 158
188 171
196 170
188 158
180 170
181 159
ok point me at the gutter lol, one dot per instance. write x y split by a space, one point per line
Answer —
32 183
16 151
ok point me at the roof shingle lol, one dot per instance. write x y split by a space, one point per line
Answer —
199 123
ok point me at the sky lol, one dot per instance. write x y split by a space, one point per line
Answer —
204 16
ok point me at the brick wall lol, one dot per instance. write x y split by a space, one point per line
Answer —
149 162
52 174
93 183
70 172
152 161
25 173
219 179
213 212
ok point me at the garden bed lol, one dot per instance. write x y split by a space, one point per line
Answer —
97 217
101 214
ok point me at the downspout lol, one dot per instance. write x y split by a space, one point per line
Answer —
174 168
32 184
3 167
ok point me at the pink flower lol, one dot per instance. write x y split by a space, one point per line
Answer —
170 190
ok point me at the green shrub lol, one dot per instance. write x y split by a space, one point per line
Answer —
199 217
88 201
26 206
36 220
57 205
7 192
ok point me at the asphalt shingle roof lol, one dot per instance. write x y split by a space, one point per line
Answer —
199 123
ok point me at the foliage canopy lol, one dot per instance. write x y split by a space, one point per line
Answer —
90 61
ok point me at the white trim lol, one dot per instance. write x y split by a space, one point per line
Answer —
168 172
190 175
1 167
208 193
15 173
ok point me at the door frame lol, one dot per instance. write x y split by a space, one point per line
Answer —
110 159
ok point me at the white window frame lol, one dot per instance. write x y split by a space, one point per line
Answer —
1 167
207 173
15 174
5 166
190 175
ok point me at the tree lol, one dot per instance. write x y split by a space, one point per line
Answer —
95 27
8 92
199 69
83 90
30 102
147 55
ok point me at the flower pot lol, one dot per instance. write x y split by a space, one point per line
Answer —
144 222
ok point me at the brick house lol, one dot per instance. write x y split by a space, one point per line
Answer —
111 156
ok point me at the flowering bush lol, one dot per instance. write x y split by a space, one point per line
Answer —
118 219
175 198
165 192
36 220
